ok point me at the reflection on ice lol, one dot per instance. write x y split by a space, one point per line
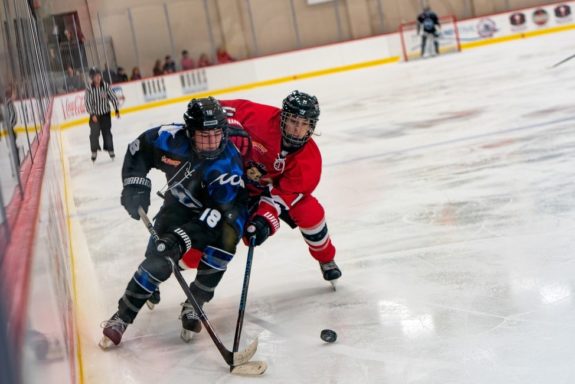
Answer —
412 325
551 294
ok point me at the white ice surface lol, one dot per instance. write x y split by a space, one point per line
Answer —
449 190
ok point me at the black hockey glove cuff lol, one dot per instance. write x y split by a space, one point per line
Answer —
169 246
183 239
259 228
136 193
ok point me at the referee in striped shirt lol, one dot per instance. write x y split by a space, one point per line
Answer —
97 98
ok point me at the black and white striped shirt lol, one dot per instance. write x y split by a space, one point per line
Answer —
97 99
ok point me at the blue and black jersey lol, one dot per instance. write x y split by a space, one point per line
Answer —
194 185
428 21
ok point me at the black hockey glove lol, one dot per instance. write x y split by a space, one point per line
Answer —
168 246
136 193
259 227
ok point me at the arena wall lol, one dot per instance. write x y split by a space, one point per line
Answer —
278 68
244 27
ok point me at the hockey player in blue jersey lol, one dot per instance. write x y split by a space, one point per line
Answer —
428 23
204 209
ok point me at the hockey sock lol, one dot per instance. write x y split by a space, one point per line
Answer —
207 279
138 291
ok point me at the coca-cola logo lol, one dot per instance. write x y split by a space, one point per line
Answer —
73 106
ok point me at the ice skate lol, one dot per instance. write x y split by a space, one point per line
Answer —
331 272
113 331
112 155
94 155
153 300
190 322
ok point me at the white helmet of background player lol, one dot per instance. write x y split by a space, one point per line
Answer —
207 127
299 116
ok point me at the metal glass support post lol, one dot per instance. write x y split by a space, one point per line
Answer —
253 27
338 20
55 28
210 32
78 44
23 60
294 21
172 45
14 69
133 38
104 44
381 15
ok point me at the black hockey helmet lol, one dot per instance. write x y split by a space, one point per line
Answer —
302 105
94 71
206 115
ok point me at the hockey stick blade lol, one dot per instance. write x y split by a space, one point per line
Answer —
233 359
242 357
251 368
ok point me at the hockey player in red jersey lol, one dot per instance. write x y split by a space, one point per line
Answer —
283 169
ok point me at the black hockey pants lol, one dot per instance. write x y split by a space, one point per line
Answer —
154 270
103 125
432 35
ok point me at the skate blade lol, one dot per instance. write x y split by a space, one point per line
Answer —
251 368
186 335
333 284
105 343
150 305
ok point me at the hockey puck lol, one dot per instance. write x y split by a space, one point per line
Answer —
328 335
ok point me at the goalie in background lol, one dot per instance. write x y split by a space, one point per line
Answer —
429 22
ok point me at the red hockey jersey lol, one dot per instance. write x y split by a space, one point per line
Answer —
288 176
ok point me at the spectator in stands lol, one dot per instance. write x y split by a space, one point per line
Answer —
203 61
187 62
109 76
222 56
67 35
136 74
10 120
169 65
157 70
122 76
73 81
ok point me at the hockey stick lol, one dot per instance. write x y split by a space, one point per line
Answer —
240 322
255 367
563 61
232 358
